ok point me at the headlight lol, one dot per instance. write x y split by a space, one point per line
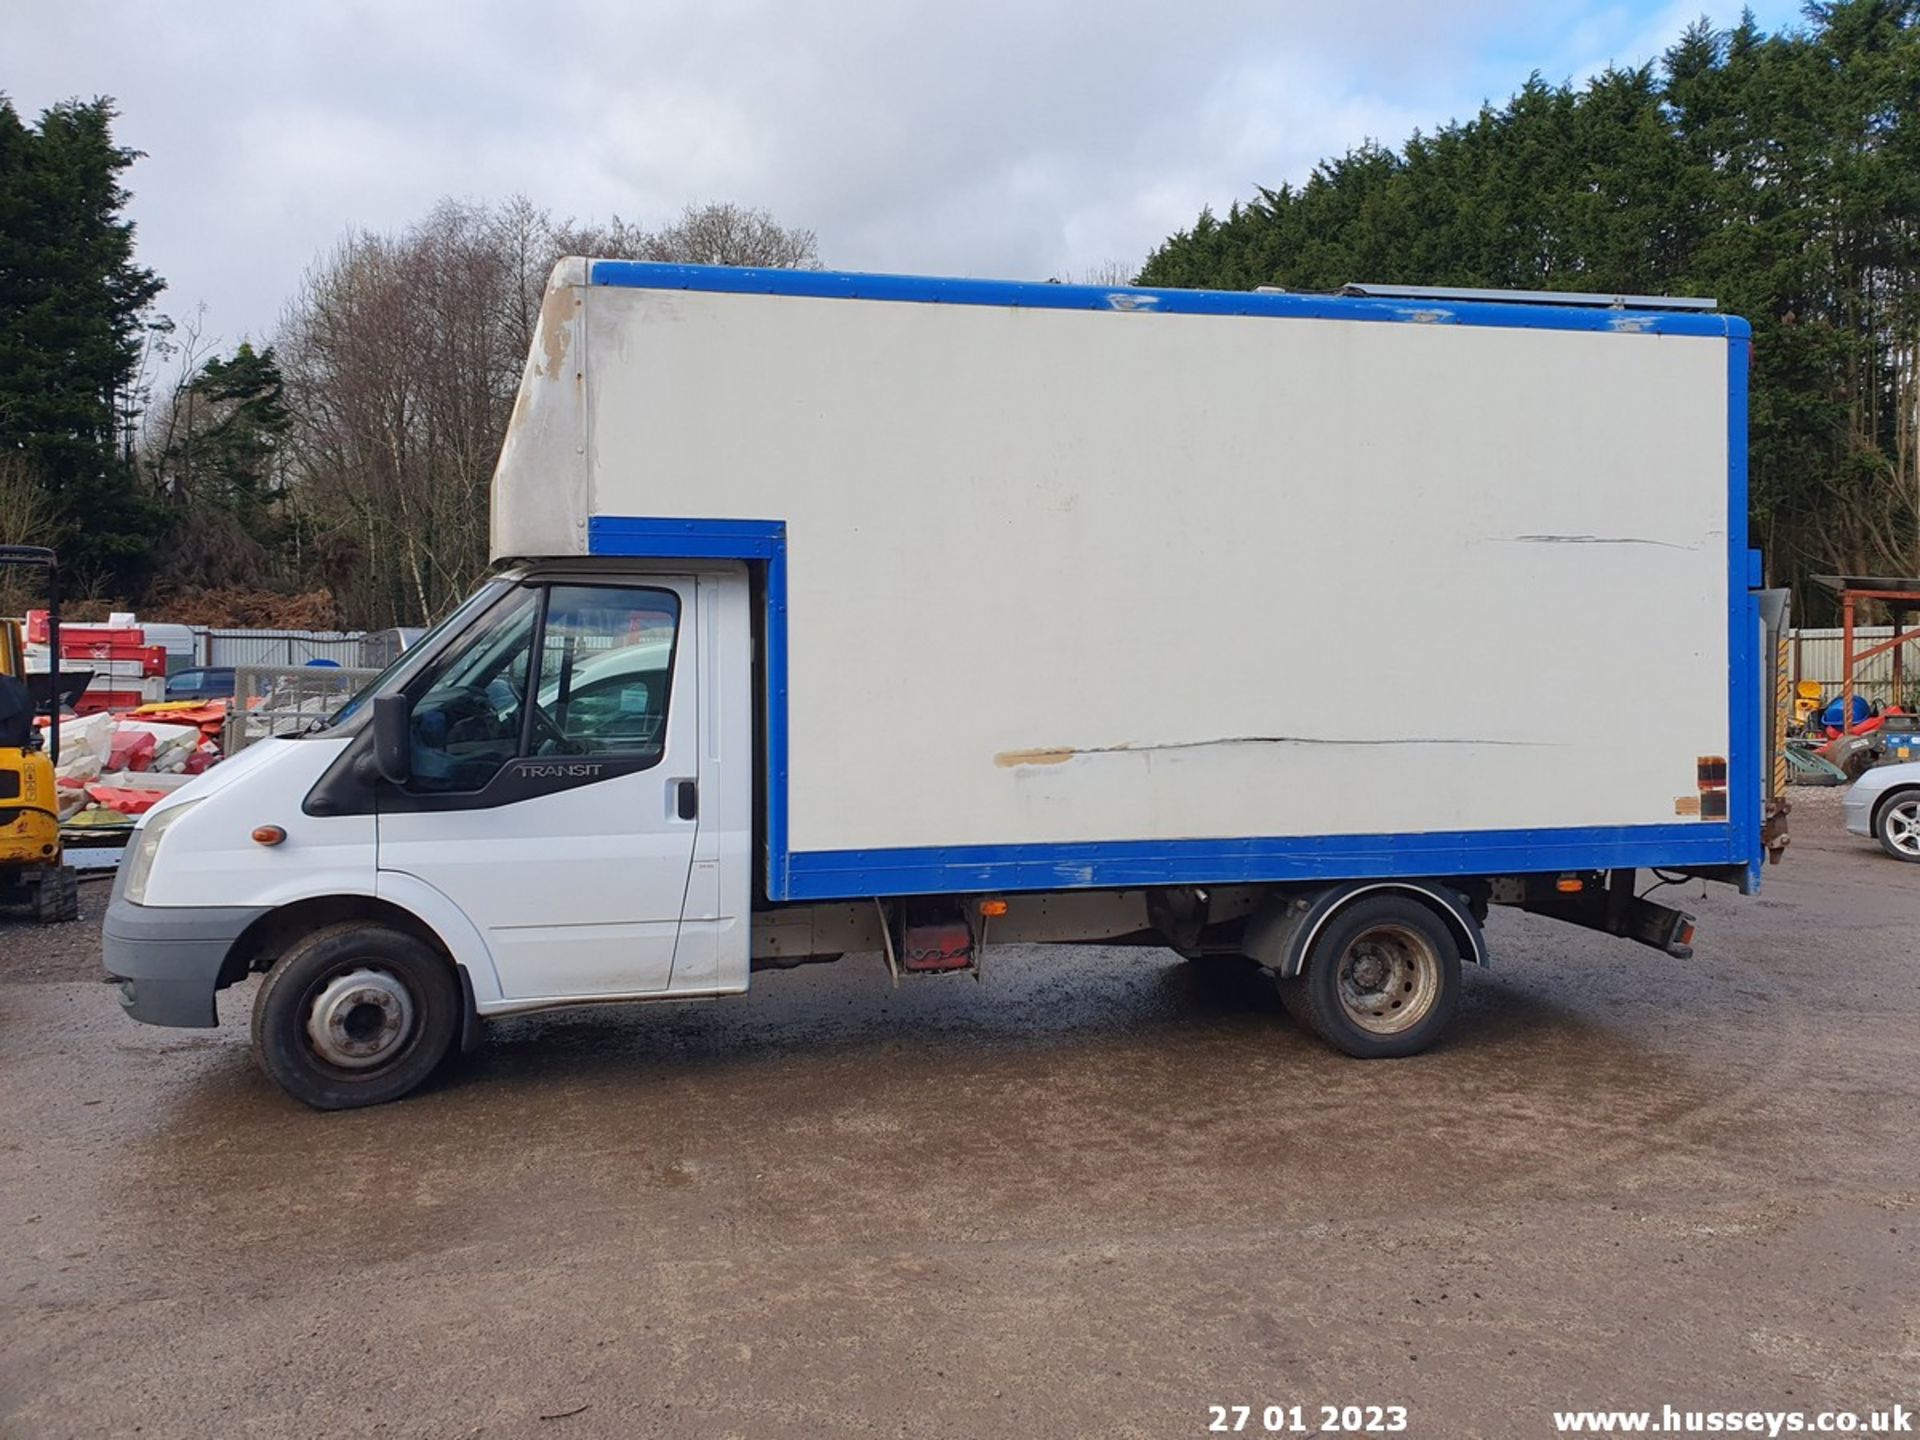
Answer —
146 845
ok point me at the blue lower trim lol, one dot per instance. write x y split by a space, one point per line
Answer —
968 869
764 540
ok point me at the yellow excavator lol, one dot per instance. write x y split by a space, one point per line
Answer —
33 868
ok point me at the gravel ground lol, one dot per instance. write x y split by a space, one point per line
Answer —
1091 1196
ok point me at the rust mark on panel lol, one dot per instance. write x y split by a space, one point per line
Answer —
1007 759
555 330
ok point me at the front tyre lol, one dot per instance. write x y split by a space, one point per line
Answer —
1381 979
355 1015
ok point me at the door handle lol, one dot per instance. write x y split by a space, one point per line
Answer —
686 799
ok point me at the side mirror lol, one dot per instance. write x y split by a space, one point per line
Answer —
393 738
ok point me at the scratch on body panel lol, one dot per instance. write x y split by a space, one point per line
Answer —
1058 754
1594 540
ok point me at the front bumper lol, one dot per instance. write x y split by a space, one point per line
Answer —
1858 812
167 958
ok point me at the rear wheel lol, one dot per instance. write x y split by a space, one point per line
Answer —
355 1015
1381 980
1898 826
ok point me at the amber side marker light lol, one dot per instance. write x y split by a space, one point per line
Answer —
1569 884
993 907
268 835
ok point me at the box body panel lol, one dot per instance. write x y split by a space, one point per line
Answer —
1078 577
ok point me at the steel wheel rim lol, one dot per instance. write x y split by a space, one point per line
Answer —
1388 978
360 1018
1901 826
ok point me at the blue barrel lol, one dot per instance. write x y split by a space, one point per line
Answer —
1830 717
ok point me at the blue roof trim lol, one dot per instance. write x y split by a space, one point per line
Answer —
1031 295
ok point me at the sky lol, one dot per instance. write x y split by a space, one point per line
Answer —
969 137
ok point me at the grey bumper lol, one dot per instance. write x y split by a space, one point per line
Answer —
1857 813
167 958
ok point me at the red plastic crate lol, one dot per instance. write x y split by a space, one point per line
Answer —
71 633
94 701
125 659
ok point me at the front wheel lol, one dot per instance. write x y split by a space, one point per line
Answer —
1898 827
355 1015
1381 979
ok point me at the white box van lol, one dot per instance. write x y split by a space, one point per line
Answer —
843 613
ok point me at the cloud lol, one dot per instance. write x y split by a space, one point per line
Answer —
993 138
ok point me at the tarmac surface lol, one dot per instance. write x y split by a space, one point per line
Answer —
1093 1195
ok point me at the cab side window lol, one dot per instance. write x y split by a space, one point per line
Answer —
558 671
606 667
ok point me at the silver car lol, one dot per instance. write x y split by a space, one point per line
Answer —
1885 803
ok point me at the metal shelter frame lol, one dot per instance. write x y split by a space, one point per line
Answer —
1901 595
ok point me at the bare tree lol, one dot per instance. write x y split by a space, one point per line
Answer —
181 348
1109 274
402 355
723 234
27 517
398 356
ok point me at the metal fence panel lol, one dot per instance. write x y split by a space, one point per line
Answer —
283 647
1817 655
285 700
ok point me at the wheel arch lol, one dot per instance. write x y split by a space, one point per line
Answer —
1886 798
1282 931
267 939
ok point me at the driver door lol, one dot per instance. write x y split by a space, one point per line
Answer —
554 789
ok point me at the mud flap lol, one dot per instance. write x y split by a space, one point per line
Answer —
471 1029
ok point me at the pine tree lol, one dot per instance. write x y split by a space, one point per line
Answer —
72 302
215 458
1777 173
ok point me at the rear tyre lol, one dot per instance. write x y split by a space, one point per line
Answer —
1381 980
355 1015
1898 826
